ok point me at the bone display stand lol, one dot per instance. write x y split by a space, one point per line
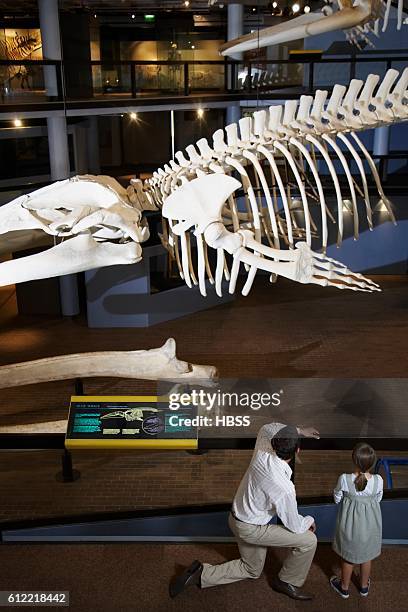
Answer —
120 296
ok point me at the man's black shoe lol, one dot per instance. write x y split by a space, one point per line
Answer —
290 590
190 576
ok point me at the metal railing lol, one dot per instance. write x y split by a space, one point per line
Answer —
26 81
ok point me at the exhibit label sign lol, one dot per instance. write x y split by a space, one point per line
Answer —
124 422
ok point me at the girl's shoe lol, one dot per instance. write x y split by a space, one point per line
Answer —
365 591
335 584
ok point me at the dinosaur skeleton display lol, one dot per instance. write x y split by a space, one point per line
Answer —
359 20
18 47
196 193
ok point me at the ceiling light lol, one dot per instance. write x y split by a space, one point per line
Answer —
307 9
200 113
274 5
295 8
187 3
133 16
18 123
133 116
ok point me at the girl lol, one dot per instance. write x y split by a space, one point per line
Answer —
359 521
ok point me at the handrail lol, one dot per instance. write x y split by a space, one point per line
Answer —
56 441
291 60
231 83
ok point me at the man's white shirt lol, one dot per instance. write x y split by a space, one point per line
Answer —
266 489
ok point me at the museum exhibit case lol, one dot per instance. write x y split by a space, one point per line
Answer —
203 236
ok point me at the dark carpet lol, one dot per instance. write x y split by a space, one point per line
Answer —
134 577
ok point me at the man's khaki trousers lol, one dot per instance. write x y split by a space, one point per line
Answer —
253 542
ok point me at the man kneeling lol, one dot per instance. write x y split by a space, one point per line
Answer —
266 490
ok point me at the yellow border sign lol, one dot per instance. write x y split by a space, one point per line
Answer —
128 422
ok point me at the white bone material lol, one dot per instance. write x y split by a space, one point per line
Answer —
273 154
153 364
93 221
358 19
96 222
301 264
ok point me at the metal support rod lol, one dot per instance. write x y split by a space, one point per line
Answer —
67 474
249 84
133 79
172 134
311 77
226 84
79 386
186 84
352 67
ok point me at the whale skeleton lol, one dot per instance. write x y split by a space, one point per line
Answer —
250 194
88 222
196 191
360 21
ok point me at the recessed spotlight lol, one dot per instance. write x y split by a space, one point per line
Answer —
133 16
274 5
307 9
193 46
187 3
95 15
295 8
18 123
133 116
200 113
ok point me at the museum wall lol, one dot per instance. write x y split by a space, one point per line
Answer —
146 141
189 128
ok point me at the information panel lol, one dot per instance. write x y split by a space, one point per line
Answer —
129 422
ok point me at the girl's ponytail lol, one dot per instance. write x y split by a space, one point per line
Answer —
364 458
360 482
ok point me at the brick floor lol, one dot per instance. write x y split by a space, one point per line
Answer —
112 481
277 331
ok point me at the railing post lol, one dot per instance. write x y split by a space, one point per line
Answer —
79 386
352 67
67 474
186 85
60 90
311 76
133 79
249 84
